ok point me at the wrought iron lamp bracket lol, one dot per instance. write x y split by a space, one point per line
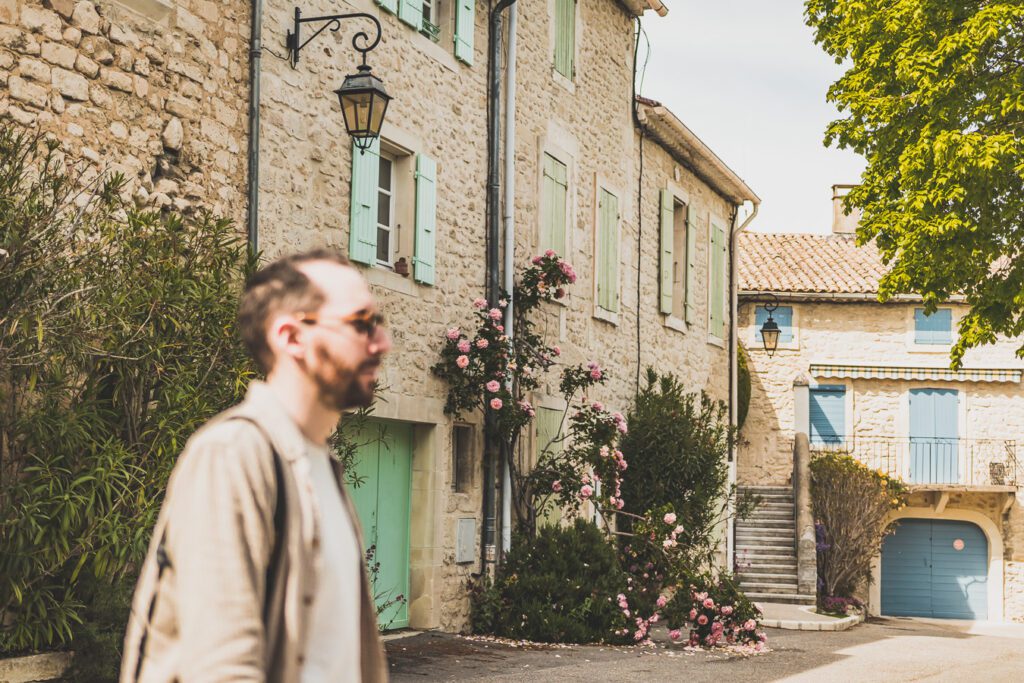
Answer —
360 41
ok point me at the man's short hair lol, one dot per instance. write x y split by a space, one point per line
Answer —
279 287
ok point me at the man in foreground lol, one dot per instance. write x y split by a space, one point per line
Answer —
255 571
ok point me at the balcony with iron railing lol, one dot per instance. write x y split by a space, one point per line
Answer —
931 463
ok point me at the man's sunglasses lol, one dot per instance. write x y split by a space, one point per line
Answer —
363 322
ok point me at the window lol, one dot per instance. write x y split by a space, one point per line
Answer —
462 458
783 317
553 204
392 187
717 289
548 425
678 247
607 251
385 209
431 26
434 19
828 415
936 328
565 37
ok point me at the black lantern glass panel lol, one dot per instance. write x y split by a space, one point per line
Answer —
770 335
364 101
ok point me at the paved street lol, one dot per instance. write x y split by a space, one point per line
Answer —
880 650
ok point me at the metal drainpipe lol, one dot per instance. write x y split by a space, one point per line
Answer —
510 244
255 53
730 541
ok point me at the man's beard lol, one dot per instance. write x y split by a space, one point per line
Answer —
339 385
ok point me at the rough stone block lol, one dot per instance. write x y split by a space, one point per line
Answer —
72 85
72 35
39 20
25 118
122 35
179 106
12 37
34 69
100 97
86 66
185 68
174 134
75 129
124 59
116 80
27 92
59 54
190 23
86 18
57 103
119 130
8 11
65 8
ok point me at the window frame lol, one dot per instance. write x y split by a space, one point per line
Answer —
392 229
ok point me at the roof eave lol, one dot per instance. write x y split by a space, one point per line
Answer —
684 145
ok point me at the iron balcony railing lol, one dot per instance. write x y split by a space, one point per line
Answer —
915 460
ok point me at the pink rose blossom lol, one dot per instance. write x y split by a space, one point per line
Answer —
621 426
709 603
556 485
702 620
717 628
749 625
619 504
464 346
662 601
494 314
693 614
537 260
482 343
496 404
556 350
452 333
502 303
623 464
493 386
595 374
462 361
675 634
586 491
550 253
669 543
639 635
499 328
670 518
480 303
727 610
654 618
679 529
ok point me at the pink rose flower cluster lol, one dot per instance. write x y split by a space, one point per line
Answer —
670 540
643 625
714 624
595 370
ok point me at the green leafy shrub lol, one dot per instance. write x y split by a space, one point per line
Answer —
851 505
677 448
742 386
556 587
715 612
117 341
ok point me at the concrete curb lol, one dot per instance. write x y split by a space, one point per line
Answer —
44 667
818 623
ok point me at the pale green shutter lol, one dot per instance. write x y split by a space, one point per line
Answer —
465 27
691 264
362 239
667 236
554 193
411 12
549 425
717 289
426 219
608 252
565 37
389 5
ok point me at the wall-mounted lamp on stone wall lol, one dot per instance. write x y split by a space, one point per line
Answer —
363 98
770 329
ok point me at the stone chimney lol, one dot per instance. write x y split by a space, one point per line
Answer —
841 223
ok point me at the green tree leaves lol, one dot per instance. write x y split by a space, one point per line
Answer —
934 100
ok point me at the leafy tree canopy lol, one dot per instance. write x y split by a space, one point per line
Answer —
933 99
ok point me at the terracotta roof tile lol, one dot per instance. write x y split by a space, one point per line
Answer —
775 262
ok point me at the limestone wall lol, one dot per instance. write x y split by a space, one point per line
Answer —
151 88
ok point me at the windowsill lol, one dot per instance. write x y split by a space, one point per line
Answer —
154 10
386 279
607 316
674 323
715 341
561 80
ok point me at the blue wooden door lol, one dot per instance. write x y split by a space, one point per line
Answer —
935 568
383 499
934 453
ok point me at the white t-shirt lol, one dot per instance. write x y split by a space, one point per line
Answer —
333 651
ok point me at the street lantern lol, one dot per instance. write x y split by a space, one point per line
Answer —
364 102
363 98
770 329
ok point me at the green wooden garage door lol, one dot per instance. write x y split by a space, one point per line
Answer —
935 568
383 499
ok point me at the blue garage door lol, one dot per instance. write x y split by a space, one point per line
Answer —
935 569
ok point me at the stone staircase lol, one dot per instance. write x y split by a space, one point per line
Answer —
766 548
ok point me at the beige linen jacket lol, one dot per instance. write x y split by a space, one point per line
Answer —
201 619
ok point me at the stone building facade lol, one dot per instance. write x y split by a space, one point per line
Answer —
159 89
873 380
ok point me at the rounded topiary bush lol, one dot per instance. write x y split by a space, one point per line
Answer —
557 587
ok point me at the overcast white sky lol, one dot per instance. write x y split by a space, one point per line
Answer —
747 78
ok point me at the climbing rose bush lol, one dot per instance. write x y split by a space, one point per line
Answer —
713 612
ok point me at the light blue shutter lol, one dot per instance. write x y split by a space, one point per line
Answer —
411 12
691 264
465 27
934 417
426 219
935 328
362 239
667 237
828 415
389 5
783 316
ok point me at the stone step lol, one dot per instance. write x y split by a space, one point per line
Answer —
765 538
767 547
769 568
771 514
765 522
756 556
765 531
771 497
774 505
748 578
788 598
765 489
768 587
